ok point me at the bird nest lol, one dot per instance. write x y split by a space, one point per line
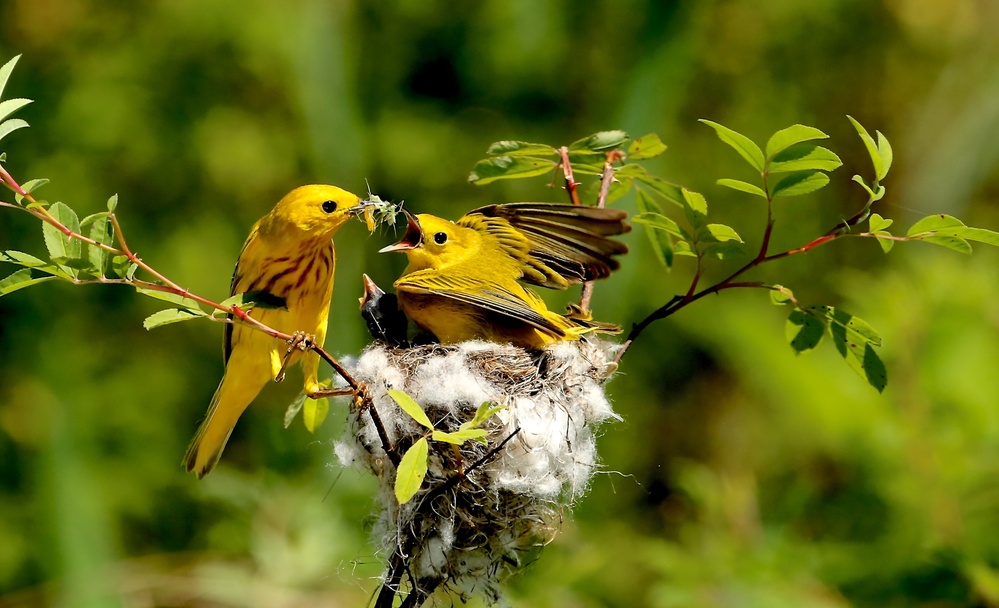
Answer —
481 507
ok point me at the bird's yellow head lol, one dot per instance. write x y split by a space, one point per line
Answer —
433 242
318 210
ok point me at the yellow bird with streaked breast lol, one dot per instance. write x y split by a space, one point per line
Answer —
463 280
289 255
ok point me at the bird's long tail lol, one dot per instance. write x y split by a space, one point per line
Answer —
234 393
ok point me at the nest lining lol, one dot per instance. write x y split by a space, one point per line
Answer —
475 531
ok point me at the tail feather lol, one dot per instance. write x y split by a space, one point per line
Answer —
230 400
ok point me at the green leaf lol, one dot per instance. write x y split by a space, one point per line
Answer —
600 142
123 267
803 331
872 148
19 280
795 134
742 144
878 223
520 148
950 232
314 412
949 242
411 407
255 299
797 184
663 188
886 243
5 72
293 408
93 217
60 246
856 328
29 261
29 187
719 233
683 248
10 106
660 222
863 184
10 125
662 245
854 339
581 168
112 203
780 295
100 232
645 147
724 251
485 411
171 315
172 298
933 223
509 167
412 470
695 207
461 436
804 157
742 186
884 149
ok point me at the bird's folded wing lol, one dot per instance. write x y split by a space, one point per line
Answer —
482 293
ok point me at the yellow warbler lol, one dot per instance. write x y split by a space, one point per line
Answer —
289 255
463 278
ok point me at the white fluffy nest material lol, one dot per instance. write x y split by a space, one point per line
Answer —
473 533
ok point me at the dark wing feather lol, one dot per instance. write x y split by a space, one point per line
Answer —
567 243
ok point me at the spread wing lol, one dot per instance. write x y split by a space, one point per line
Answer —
566 244
481 293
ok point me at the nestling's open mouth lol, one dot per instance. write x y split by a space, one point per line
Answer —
412 239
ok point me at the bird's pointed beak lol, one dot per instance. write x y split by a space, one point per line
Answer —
411 240
371 291
361 205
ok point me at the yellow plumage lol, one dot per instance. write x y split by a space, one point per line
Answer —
289 254
464 278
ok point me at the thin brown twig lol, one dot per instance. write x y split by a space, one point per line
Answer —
570 181
606 179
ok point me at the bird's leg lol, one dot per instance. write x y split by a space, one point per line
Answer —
298 341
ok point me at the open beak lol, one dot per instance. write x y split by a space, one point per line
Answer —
371 291
411 240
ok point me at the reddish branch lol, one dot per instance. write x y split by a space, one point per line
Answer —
678 302
570 182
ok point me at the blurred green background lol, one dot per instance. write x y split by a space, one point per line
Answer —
742 475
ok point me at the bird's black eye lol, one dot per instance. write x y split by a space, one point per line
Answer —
440 238
329 206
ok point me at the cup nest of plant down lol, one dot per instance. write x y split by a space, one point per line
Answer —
469 526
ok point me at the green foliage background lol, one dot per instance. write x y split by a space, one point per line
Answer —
742 475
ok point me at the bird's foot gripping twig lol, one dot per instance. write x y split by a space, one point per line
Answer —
299 341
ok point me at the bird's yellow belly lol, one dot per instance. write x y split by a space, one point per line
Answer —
306 290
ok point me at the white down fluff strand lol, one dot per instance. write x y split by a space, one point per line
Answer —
468 527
